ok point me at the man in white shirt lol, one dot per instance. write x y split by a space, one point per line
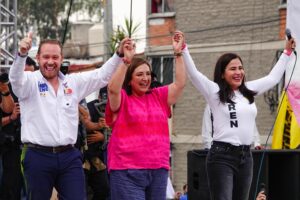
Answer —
49 116
207 131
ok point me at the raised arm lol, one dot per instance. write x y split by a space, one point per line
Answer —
176 88
17 75
199 80
263 84
116 82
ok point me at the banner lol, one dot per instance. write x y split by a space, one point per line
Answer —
286 134
293 16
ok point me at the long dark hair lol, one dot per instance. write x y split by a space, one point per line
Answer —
226 92
135 63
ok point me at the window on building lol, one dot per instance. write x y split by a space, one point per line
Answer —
162 6
162 67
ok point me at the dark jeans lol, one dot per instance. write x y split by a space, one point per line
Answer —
45 170
230 171
138 184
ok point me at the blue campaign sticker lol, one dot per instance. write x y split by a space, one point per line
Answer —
43 88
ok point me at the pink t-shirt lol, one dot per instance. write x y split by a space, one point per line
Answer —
140 133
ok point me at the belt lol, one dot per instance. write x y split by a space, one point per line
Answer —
231 147
57 149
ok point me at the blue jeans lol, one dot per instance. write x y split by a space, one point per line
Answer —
45 170
230 171
138 184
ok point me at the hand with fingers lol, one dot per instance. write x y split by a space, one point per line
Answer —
178 41
16 112
25 44
129 50
261 196
290 44
102 123
95 137
120 51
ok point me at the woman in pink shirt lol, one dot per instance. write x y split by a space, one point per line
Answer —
138 151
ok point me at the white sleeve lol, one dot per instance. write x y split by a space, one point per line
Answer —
263 84
256 137
88 82
207 128
201 82
18 78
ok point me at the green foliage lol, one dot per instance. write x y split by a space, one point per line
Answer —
50 16
129 30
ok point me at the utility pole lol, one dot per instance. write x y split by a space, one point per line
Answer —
108 30
8 31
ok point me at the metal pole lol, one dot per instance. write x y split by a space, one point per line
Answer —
130 22
107 27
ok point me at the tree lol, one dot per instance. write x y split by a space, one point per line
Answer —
50 16
122 32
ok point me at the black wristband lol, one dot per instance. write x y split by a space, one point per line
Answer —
121 55
22 56
5 94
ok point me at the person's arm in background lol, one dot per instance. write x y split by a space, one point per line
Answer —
261 196
14 115
175 89
207 128
256 139
7 103
85 118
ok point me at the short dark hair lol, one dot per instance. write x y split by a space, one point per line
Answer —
49 41
135 63
30 61
226 92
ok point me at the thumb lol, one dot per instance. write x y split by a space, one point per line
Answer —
30 34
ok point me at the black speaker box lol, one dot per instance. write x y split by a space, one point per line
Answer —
279 172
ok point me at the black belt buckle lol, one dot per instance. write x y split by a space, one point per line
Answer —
56 149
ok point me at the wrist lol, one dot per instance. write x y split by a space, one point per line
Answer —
22 55
183 46
177 54
126 61
5 94
121 55
287 52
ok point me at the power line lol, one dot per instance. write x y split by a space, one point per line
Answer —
199 30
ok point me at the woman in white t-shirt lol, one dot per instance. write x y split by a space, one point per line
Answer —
231 99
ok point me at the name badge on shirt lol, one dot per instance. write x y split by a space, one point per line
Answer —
43 88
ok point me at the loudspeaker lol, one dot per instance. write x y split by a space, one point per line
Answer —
197 177
279 172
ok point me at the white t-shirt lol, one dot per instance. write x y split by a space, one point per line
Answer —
233 123
207 128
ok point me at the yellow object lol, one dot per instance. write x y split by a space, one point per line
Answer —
286 133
